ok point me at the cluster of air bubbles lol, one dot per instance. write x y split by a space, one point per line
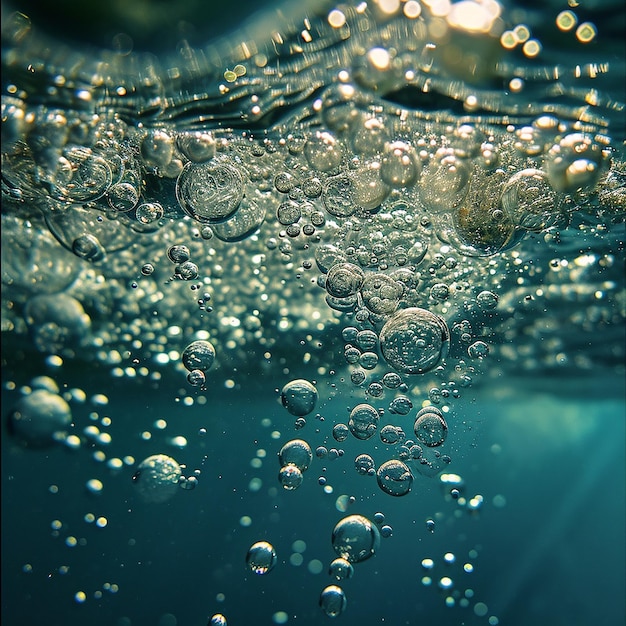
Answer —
198 357
294 458
184 268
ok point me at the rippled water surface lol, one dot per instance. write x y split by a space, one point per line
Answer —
313 312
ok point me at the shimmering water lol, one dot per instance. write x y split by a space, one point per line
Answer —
320 319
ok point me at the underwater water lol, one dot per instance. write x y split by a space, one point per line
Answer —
313 313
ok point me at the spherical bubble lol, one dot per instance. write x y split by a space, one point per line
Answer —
381 293
478 350
430 427
369 136
197 146
299 397
530 202
338 196
363 421
327 255
288 212
444 182
261 557
157 477
56 322
394 478
186 271
178 253
355 538
487 300
333 601
211 191
157 149
340 432
40 418
217 620
199 355
344 279
90 176
400 405
399 166
575 162
364 464
243 224
122 197
196 378
367 339
290 477
414 340
88 247
323 151
370 190
296 452
149 212
368 361
390 434
341 569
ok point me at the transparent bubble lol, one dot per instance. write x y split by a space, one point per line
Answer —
157 149
367 339
344 279
261 557
186 271
243 224
414 340
364 464
178 253
323 152
478 350
575 162
149 212
290 477
197 146
390 434
341 569
196 378
122 197
355 538
338 196
88 247
157 477
430 427
90 176
392 380
368 360
211 191
394 478
487 300
199 355
363 421
299 397
400 405
333 601
40 418
444 182
217 620
296 452
340 432
352 354
288 212
399 166
381 293
530 202
57 322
